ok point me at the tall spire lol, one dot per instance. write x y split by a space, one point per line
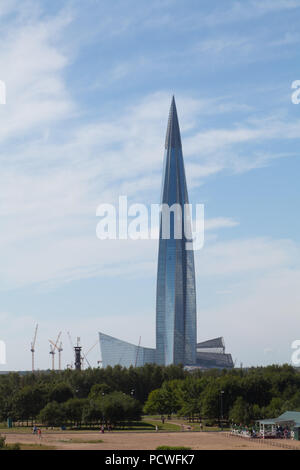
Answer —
176 290
173 139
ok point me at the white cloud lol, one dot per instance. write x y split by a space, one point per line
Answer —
31 66
220 45
288 39
220 222
244 11
264 315
245 256
260 310
267 128
50 190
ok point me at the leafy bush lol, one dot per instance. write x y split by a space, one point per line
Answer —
4 446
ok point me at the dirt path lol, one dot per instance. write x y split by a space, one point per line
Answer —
138 441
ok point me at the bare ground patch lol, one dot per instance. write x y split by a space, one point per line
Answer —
140 441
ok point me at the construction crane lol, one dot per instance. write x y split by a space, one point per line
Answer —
59 349
84 358
71 342
92 347
52 352
33 346
85 355
53 346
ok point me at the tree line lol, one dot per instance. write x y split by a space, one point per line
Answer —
239 396
118 395
113 395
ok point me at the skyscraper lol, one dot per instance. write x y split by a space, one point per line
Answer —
176 322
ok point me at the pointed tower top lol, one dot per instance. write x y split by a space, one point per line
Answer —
173 133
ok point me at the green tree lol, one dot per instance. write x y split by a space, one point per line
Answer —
53 414
275 407
257 412
189 396
74 410
61 393
92 412
118 407
29 401
98 390
240 413
156 403
294 402
210 399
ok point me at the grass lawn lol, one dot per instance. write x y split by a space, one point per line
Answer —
164 427
173 448
139 426
36 447
196 427
15 430
81 441
147 424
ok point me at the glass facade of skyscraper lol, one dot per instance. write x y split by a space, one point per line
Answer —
176 292
116 352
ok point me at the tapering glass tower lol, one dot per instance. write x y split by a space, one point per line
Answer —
176 292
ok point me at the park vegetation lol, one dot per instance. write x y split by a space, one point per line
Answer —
4 446
118 396
111 396
236 396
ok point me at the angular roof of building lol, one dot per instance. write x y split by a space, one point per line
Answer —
289 416
286 417
212 343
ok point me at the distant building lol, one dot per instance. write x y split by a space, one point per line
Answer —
176 314
117 352
211 355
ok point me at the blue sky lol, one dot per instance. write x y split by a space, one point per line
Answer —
89 85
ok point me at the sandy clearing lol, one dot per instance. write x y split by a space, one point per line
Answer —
144 441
